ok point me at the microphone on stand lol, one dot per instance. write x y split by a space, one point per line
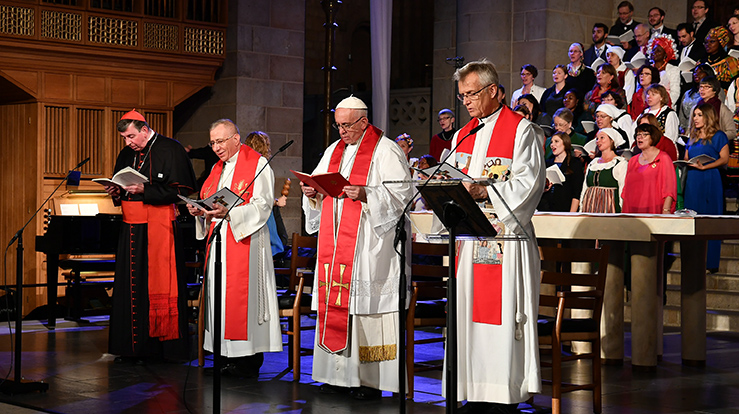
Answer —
217 227
85 161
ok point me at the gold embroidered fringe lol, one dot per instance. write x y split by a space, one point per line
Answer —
377 353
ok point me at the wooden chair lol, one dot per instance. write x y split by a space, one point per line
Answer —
428 303
294 302
553 331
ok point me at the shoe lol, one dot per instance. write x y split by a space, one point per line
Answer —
473 407
366 393
333 389
497 408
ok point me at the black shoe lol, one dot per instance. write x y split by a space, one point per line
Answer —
498 408
128 360
333 389
366 393
474 407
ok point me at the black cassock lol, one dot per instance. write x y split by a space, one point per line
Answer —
165 162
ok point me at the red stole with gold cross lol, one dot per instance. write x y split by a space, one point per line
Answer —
237 269
488 278
337 247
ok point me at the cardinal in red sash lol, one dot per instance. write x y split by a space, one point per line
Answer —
149 317
250 315
357 271
498 281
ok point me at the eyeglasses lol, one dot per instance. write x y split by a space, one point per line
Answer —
345 127
600 116
444 118
219 141
642 134
473 96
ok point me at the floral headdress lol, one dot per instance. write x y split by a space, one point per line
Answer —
405 137
667 43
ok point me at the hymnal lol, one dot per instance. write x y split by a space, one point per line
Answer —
124 178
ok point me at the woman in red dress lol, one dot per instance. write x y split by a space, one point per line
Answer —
650 185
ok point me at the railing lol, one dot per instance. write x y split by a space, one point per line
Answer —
173 26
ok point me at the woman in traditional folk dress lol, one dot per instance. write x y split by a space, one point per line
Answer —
604 178
646 75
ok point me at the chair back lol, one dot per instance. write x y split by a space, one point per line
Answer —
301 262
560 293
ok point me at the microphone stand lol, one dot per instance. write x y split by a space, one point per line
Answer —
17 385
400 239
218 286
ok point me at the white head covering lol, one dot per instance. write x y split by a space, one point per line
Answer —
578 45
616 136
351 103
618 50
609 110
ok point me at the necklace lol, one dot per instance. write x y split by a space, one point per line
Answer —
141 163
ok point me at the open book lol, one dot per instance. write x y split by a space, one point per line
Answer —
328 184
597 62
617 40
734 53
637 61
446 171
124 178
588 126
554 175
586 149
703 158
224 197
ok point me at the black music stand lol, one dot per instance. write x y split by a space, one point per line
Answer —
460 214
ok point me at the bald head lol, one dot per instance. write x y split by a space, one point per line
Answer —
641 33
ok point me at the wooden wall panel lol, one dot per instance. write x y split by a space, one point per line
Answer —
57 86
19 169
125 92
89 140
90 89
157 94
56 148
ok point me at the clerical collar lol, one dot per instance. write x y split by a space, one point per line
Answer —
232 159
487 118
629 22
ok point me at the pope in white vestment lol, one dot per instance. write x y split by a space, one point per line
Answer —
262 328
373 296
498 355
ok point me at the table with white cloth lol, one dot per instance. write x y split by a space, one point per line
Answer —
646 235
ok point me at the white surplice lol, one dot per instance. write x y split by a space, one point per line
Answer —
500 363
375 280
247 220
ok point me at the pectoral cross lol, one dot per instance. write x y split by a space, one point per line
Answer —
321 283
334 283
219 200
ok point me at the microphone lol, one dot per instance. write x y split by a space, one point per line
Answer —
217 227
286 146
85 161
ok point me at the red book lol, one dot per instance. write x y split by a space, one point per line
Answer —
328 184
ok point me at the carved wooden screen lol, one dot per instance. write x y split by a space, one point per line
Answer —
56 140
89 140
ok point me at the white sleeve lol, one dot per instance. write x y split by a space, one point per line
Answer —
673 75
731 97
672 126
629 85
385 202
248 218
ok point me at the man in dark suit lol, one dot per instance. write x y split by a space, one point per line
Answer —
687 46
657 21
625 23
701 22
598 49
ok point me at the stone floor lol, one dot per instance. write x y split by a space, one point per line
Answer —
83 379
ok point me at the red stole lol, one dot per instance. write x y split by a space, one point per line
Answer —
237 269
337 247
162 266
488 278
